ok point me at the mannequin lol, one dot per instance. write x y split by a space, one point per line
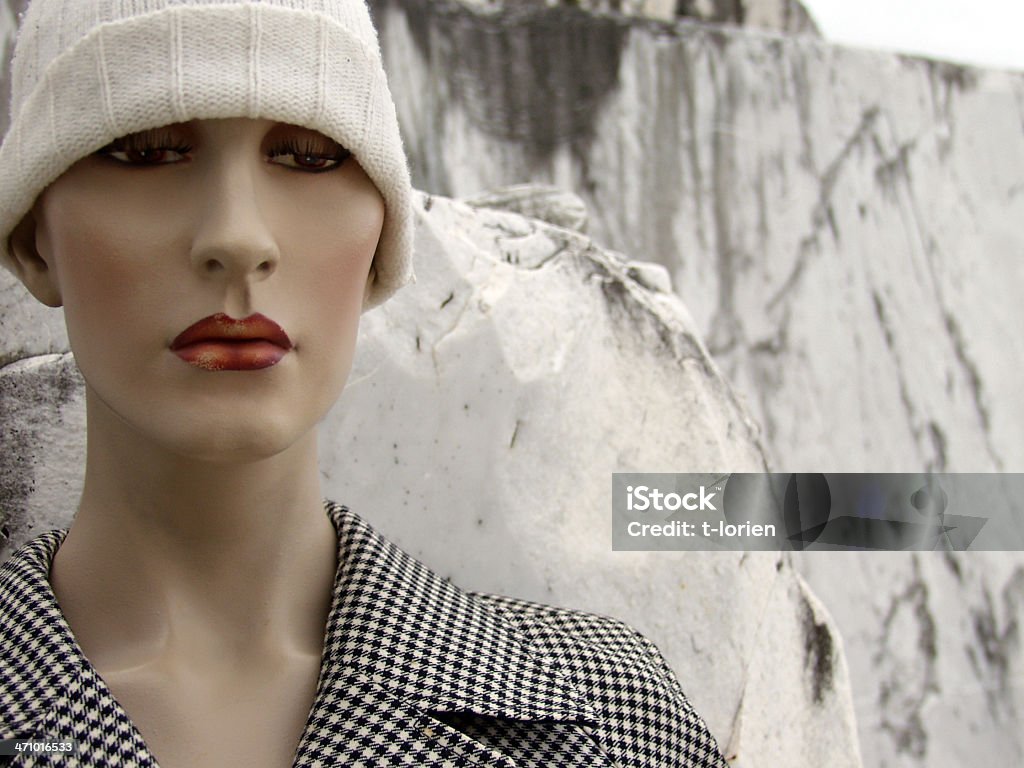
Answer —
175 576
213 237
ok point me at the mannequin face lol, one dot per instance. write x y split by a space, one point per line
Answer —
160 243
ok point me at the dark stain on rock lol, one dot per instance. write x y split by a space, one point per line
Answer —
883 320
907 666
970 369
819 652
28 395
939 443
990 639
891 171
525 73
628 311
952 561
67 381
998 641
16 476
959 77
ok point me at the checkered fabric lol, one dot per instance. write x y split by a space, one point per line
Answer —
415 672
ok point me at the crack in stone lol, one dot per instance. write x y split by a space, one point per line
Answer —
561 242
896 172
725 330
463 309
822 215
895 168
999 644
688 74
909 676
908 403
970 369
763 354
802 99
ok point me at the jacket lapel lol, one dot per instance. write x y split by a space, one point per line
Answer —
405 647
47 688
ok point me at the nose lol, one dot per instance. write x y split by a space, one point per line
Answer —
233 239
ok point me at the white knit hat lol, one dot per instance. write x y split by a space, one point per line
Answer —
86 72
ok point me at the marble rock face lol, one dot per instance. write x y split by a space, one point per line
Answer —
845 227
780 15
488 406
8 24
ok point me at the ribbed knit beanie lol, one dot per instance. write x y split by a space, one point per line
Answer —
86 72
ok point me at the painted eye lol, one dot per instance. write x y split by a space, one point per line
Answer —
160 146
309 158
147 155
305 162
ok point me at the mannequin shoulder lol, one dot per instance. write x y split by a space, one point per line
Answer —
568 634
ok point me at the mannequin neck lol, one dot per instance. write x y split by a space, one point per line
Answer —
170 553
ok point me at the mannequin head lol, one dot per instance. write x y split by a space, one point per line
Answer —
175 160
234 217
88 72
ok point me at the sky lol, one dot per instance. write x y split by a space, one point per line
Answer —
984 32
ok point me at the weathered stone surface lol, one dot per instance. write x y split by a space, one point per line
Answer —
780 15
660 9
845 227
789 16
934 649
497 395
536 201
27 327
42 446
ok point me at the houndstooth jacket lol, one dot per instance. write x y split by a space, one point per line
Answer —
415 672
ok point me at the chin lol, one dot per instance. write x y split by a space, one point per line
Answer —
217 427
237 444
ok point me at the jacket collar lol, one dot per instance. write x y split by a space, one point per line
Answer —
396 622
396 632
41 662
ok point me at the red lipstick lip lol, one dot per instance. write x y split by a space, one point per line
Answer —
221 328
221 343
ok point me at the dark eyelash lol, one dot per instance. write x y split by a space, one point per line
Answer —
147 141
309 147
165 140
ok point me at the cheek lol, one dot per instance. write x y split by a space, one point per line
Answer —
341 291
109 284
333 247
336 290
97 285
109 250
